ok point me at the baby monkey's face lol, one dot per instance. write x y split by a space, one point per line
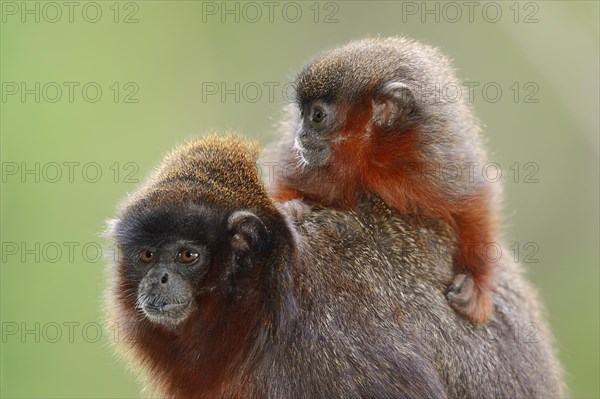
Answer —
326 124
318 122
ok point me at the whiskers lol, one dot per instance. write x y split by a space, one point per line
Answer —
301 162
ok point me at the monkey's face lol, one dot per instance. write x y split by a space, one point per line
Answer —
174 257
165 255
318 121
326 124
165 292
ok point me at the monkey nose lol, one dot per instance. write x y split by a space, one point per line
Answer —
165 278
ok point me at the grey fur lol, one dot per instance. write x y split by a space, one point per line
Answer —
373 295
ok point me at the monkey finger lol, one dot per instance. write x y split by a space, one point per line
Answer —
461 291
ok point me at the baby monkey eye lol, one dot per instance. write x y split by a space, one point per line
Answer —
147 256
186 256
318 115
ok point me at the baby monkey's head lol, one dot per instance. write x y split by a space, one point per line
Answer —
366 92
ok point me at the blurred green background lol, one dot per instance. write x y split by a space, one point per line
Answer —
93 94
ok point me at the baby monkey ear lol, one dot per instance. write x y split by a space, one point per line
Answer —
248 233
392 102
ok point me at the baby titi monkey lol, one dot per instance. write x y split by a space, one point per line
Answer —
371 117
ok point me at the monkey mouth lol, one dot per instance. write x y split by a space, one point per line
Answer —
313 155
161 306
165 312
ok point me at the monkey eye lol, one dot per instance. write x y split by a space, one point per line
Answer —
318 115
186 256
147 256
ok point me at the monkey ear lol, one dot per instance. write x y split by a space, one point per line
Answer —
248 232
393 101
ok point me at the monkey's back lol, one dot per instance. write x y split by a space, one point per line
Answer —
374 317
